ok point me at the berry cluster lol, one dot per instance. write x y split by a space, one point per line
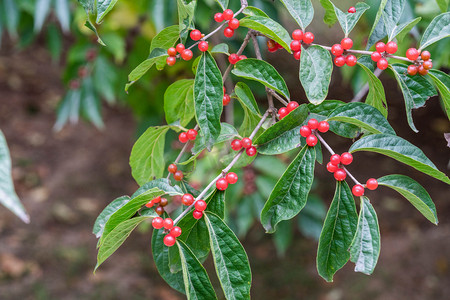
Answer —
161 203
284 111
222 183
382 49
418 67
177 174
308 131
296 45
337 162
190 135
233 23
186 54
234 58
167 223
246 143
200 206
273 46
338 50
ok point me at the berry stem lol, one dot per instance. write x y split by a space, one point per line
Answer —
351 176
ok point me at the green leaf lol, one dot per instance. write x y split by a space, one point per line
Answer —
166 38
143 67
438 29
227 132
365 247
301 10
316 67
337 232
349 20
413 192
221 48
230 259
208 94
245 95
254 11
269 28
376 96
330 16
401 150
416 90
223 4
399 31
196 280
147 155
41 10
90 104
362 115
106 214
443 5
162 184
8 196
186 11
68 110
442 81
103 8
179 102
291 191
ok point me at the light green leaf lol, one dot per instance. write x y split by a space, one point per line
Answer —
144 66
442 81
103 8
349 20
443 5
254 11
245 95
162 184
376 96
438 29
223 4
399 31
62 10
221 48
166 38
330 15
186 11
301 10
68 110
106 214
179 102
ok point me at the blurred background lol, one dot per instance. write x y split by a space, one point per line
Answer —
70 159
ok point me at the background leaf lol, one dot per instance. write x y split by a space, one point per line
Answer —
438 29
301 10
442 81
376 96
103 8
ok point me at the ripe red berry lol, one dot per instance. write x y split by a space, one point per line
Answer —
382 64
283 112
233 23
233 58
200 205
372 184
197 214
337 50
232 178
187 199
358 190
297 35
305 131
391 47
226 100
308 37
186 54
228 14
323 126
427 65
425 55
271 44
180 48
192 134
412 53
195 35
292 105
251 151
169 240
168 223
422 71
296 45
218 17
346 43
340 174
178 176
175 231
241 57
297 54
313 124
376 56
352 10
246 143
236 145
157 199
350 60
158 223
412 70
346 158
171 60
172 168
335 159
172 51
182 137
380 47
150 204
339 61
331 167
203 46
222 184
311 140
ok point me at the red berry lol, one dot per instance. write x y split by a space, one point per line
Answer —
218 17
296 45
200 205
412 70
178 176
313 124
226 100
150 204
335 159
233 58
180 48
283 112
236 145
358 190
331 167
168 223
391 47
232 178
382 64
346 158
297 35
323 126
187 199
172 168
224 90
271 44
182 137
158 223
297 54
197 214
172 51
339 61
251 151
422 70
372 184
340 174
171 60
169 240
375 56
352 10
337 50
305 131
311 140
195 35
380 47
246 143
412 54
241 57
228 14
346 43
175 231
427 65
425 55
292 105
186 54
308 37
192 134
203 46
222 184
157 199
350 60
233 23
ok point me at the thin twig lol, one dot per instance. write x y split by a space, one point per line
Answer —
279 98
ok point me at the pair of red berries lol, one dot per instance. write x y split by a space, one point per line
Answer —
273 46
190 135
222 183
233 23
338 51
358 189
308 130
226 98
177 174
422 69
200 206
186 54
378 55
334 165
234 58
245 143
196 35
284 111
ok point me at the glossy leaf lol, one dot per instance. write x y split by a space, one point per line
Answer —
413 192
301 10
401 150
349 20
230 259
223 4
166 38
388 10
179 102
416 90
106 213
337 232
291 191
161 183
438 29
103 8
143 67
399 31
376 96
365 247
254 11
442 81
208 95
316 67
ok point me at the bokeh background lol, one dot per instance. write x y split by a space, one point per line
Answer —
65 178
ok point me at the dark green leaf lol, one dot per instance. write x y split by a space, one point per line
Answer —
442 81
438 29
324 108
310 219
217 203
106 213
179 102
301 10
349 20
376 96
283 237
